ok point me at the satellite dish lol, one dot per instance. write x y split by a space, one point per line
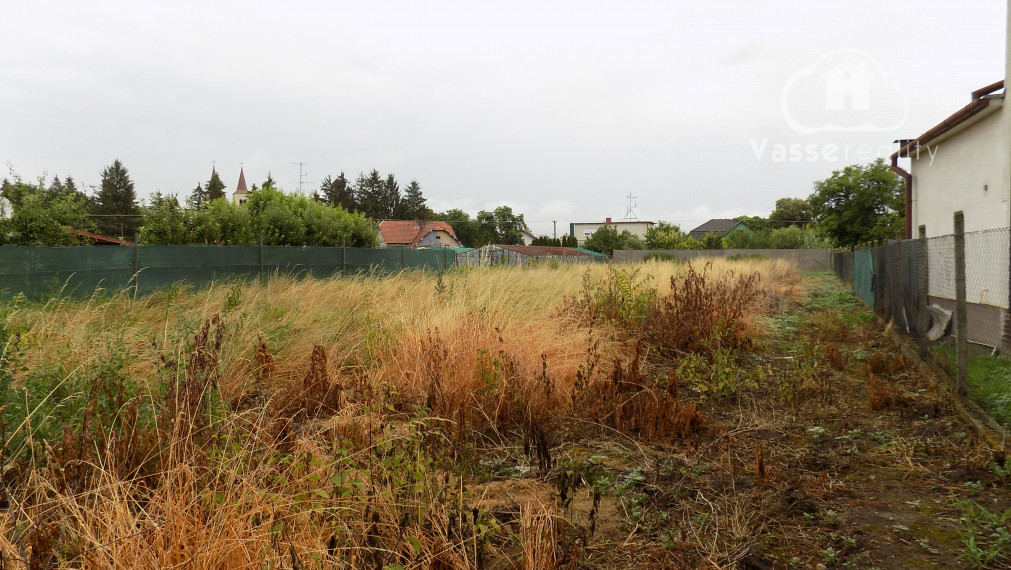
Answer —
6 210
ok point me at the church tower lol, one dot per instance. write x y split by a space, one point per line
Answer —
241 194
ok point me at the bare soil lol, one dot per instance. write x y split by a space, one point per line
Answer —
831 451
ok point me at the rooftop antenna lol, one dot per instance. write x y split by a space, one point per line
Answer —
630 213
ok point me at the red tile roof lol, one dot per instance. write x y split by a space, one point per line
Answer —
397 232
97 239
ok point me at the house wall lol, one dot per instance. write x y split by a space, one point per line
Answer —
583 230
970 170
438 238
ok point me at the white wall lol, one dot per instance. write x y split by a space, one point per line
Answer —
637 228
974 157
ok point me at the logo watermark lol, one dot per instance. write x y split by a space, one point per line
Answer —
843 91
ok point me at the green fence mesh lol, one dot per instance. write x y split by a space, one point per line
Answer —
79 271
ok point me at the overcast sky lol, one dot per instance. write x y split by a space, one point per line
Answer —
557 109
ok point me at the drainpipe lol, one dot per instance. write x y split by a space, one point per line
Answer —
909 193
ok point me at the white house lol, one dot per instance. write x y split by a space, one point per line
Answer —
583 230
964 164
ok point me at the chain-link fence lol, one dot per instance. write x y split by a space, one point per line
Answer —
913 283
79 271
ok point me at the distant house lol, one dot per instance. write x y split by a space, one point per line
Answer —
241 194
583 230
528 238
418 234
719 226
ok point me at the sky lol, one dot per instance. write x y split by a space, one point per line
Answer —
560 110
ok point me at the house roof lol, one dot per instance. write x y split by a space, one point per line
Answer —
981 99
541 250
718 225
406 232
97 239
241 188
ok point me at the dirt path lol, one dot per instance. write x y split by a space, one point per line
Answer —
827 451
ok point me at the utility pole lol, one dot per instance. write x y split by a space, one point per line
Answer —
301 176
554 231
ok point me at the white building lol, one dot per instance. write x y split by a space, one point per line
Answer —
583 230
964 164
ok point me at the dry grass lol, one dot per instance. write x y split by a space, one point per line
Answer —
305 423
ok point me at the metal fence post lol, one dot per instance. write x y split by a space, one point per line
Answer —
260 259
923 315
136 263
961 319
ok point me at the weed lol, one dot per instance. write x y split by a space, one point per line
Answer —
986 535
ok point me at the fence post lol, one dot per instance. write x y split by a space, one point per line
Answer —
344 260
901 296
923 320
136 263
961 319
260 259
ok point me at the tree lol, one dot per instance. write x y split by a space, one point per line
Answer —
214 188
501 226
754 223
43 216
606 239
268 183
116 202
859 204
392 207
197 198
164 222
370 195
664 235
337 192
466 229
414 203
790 212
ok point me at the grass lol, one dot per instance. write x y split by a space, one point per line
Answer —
989 379
594 417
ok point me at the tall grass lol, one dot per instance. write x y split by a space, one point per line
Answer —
302 423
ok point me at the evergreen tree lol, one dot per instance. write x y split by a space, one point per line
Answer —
337 193
415 205
369 193
393 205
215 188
116 202
197 198
268 183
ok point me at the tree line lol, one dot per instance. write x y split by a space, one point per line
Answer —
855 205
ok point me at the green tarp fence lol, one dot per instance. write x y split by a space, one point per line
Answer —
863 275
80 271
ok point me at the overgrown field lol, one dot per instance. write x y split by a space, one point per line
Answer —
732 414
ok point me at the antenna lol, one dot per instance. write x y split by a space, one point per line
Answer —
301 176
630 213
